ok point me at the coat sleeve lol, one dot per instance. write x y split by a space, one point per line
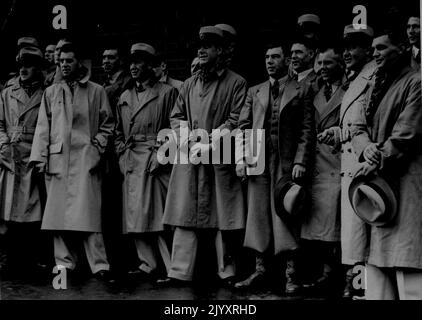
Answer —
3 130
407 131
244 123
307 136
178 117
239 94
359 129
105 124
41 142
119 136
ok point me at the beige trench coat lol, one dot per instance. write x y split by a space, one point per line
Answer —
71 135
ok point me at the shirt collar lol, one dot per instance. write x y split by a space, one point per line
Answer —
415 51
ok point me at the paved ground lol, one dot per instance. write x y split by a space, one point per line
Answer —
131 289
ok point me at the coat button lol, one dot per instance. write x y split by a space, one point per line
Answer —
350 175
341 174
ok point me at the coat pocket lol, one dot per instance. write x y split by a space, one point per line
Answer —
94 158
55 161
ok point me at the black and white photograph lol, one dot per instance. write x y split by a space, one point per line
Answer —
211 156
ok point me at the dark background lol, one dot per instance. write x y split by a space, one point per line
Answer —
172 26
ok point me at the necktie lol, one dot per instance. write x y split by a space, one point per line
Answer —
328 91
275 88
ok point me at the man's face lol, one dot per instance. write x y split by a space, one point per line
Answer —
49 53
159 70
331 69
301 57
354 56
57 55
385 53
68 64
139 69
111 61
27 71
208 54
413 31
275 62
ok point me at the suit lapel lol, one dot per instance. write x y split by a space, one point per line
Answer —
290 89
263 95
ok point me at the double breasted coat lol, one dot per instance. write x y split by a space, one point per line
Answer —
207 195
293 144
20 186
139 121
353 231
70 138
323 221
397 126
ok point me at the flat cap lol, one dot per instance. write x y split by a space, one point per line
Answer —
350 29
61 43
29 51
308 18
142 47
27 42
210 30
226 28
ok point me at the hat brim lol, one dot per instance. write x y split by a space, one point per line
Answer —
280 190
384 190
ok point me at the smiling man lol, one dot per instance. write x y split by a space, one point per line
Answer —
203 196
143 110
73 128
321 228
303 53
386 138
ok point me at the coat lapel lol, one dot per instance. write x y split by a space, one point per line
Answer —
334 102
150 94
357 87
263 95
290 89
33 102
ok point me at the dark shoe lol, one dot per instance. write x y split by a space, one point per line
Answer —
171 282
105 276
256 279
292 286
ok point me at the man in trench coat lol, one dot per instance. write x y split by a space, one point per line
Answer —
74 124
143 110
283 108
206 196
321 226
21 188
386 138
357 56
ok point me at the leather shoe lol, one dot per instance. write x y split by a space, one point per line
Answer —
254 280
105 276
171 282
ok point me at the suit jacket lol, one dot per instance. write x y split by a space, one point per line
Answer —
295 144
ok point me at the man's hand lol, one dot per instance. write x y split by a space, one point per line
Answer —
298 171
365 169
198 150
345 134
241 170
326 136
372 154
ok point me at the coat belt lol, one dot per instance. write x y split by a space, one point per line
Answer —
21 129
138 138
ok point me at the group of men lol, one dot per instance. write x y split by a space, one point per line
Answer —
342 128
